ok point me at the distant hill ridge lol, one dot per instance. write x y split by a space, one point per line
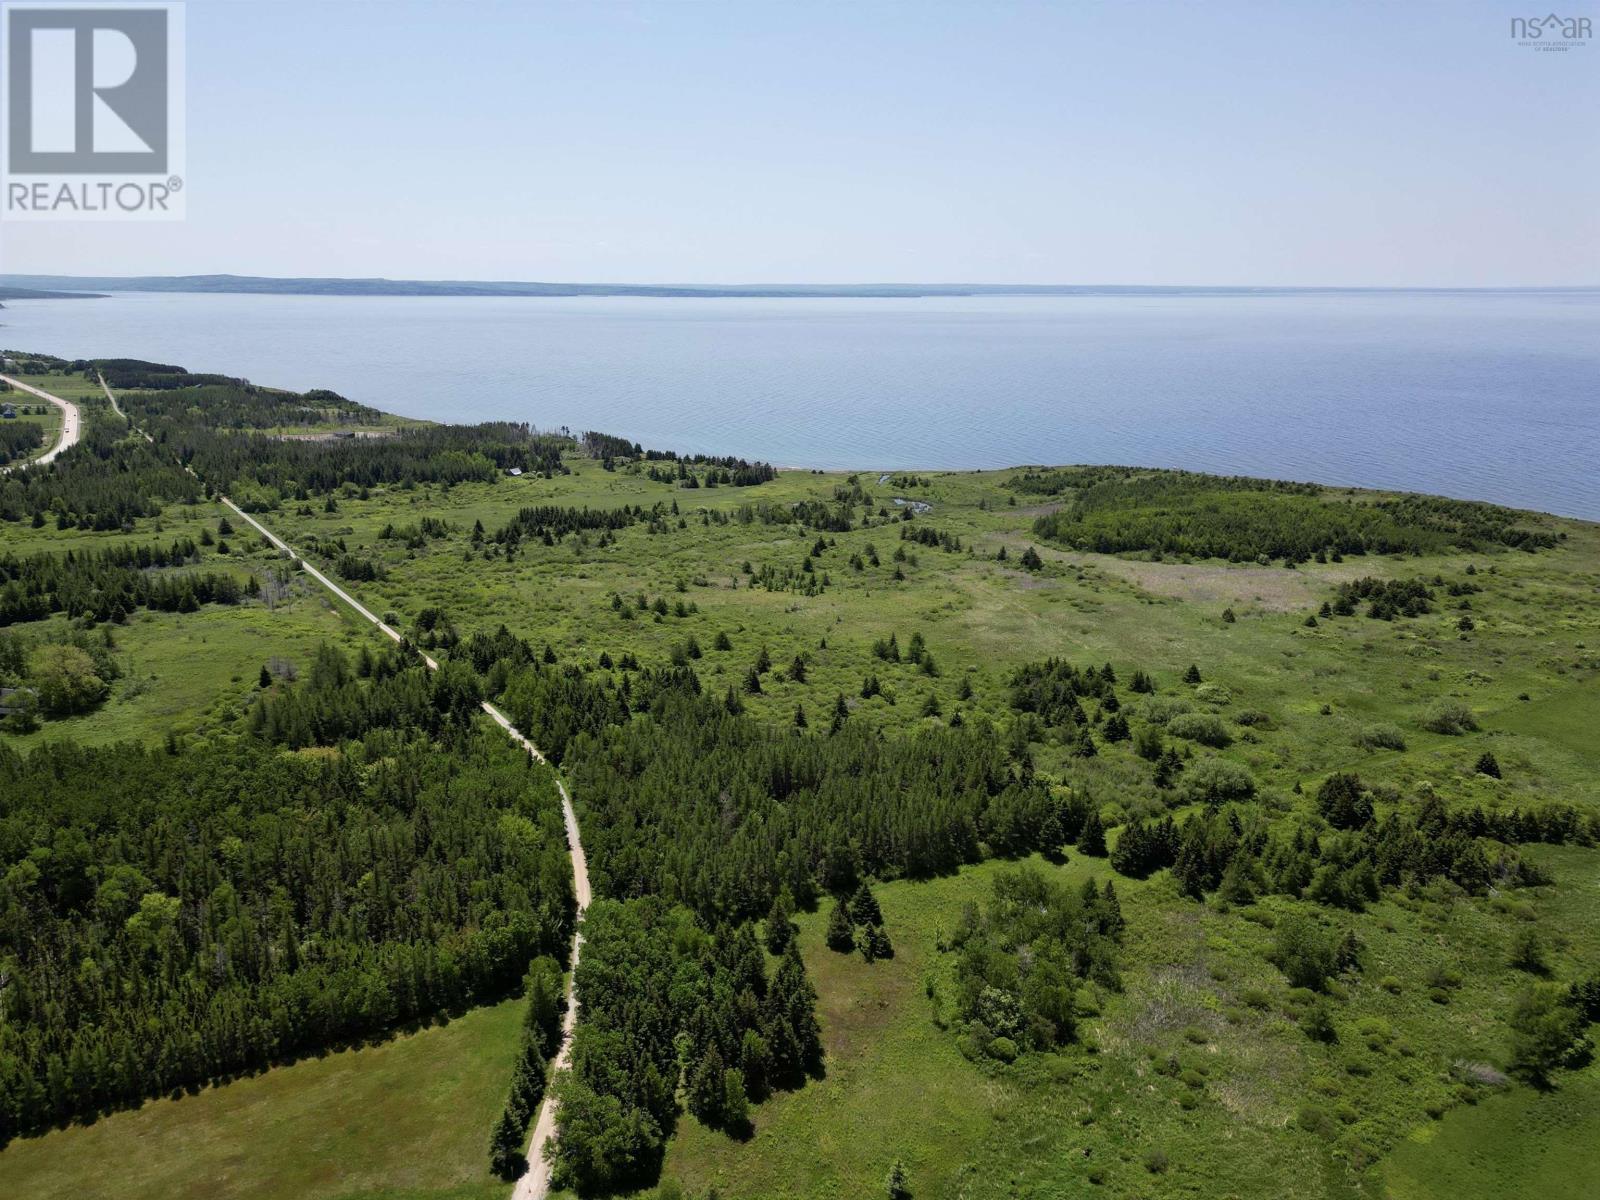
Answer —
60 286
23 293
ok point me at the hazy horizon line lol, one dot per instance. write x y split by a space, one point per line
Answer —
221 280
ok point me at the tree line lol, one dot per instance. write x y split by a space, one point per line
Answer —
1236 853
673 1006
702 805
19 439
1204 516
224 432
112 583
105 482
716 470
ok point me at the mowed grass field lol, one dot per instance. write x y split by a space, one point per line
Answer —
404 1120
1196 987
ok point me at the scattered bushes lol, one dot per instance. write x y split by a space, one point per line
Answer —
1449 717
1022 957
1205 728
1218 781
1382 736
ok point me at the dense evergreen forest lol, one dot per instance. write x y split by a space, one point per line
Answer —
715 810
109 584
19 439
181 915
689 470
669 1004
1111 510
106 482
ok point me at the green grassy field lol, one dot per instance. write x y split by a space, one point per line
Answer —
185 673
897 1087
404 1120
182 671
1232 1120
1196 989
1526 1143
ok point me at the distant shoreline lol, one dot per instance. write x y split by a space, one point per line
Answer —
41 287
21 293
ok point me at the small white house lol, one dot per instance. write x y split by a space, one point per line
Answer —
514 472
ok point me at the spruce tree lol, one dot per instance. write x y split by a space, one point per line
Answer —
755 1061
897 1186
546 1000
1343 801
841 713
878 937
841 935
505 1148
1167 767
1051 835
527 1081
1092 838
780 922
1083 743
735 1103
864 908
1238 884
706 1088
792 1002
1111 920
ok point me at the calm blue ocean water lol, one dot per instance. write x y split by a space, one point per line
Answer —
1490 396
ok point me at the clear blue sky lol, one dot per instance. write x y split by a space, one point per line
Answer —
1139 142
